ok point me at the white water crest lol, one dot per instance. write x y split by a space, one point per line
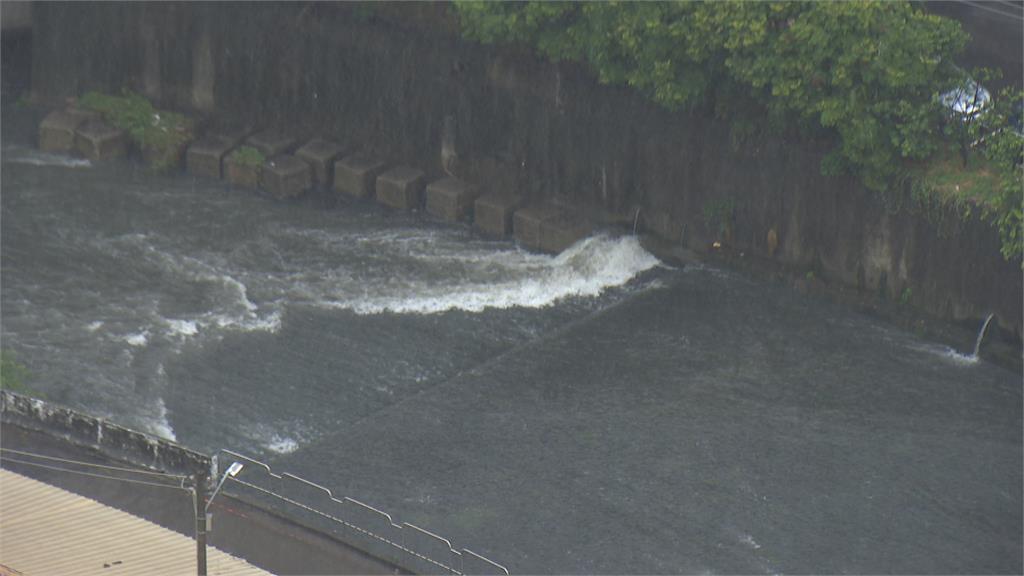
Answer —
282 445
512 278
159 423
19 155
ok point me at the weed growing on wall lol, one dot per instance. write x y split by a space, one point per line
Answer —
248 156
161 135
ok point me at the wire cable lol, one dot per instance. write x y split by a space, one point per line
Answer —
994 10
180 486
120 469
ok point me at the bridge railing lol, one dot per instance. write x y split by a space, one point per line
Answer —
356 523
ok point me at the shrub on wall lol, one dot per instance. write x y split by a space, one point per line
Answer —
161 135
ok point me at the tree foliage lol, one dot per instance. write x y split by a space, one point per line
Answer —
1003 145
867 71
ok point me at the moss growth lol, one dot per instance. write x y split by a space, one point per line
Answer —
161 135
905 296
248 156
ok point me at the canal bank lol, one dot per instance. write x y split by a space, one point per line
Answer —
398 84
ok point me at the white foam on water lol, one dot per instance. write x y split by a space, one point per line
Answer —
182 327
137 339
281 444
159 424
948 354
958 358
749 541
19 155
585 269
94 326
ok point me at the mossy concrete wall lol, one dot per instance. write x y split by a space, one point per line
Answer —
395 81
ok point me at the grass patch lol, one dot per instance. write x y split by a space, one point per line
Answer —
161 135
988 186
248 156
946 176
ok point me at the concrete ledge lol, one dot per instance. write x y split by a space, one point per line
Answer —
205 157
548 229
356 175
492 214
286 176
401 187
97 140
241 174
320 154
451 199
57 130
111 439
271 142
526 224
561 232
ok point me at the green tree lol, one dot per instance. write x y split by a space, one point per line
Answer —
865 71
1003 145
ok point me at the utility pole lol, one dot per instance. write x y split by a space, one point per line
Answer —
200 504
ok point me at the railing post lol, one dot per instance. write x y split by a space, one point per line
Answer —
200 505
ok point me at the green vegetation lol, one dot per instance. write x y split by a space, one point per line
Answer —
13 374
983 176
865 75
906 295
718 216
248 156
161 135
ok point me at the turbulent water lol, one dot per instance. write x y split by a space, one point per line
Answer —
110 285
594 411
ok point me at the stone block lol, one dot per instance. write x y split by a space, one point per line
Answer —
286 176
205 156
451 199
561 232
97 140
242 173
492 214
271 142
57 130
356 175
320 154
401 187
526 224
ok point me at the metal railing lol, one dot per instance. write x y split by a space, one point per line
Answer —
351 521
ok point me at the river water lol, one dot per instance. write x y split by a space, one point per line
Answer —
592 412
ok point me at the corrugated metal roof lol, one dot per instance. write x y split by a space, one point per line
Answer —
46 530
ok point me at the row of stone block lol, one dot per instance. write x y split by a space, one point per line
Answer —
74 130
319 162
283 175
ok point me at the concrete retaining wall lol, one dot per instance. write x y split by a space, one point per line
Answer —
395 82
110 439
